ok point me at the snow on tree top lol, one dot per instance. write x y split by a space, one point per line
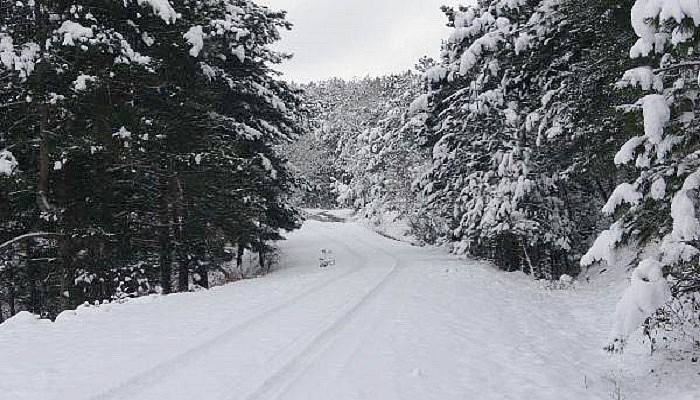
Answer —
195 37
8 163
73 31
624 193
686 227
650 38
22 62
162 8
81 82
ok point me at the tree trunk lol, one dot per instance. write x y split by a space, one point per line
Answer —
165 261
42 69
261 258
164 242
239 257
43 161
203 271
33 280
11 297
66 268
183 275
529 261
184 262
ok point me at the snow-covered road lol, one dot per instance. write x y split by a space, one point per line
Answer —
388 321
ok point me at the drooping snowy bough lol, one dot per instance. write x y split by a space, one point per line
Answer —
657 214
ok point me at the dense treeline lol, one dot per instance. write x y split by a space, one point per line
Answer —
362 148
138 146
524 130
543 123
143 144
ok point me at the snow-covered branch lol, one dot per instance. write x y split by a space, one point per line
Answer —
8 244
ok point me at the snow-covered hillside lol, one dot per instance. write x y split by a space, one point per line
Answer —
388 321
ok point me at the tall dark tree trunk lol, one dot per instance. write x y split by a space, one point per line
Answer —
43 159
41 74
203 271
165 261
33 280
66 274
13 302
183 274
239 256
11 297
184 262
164 225
261 257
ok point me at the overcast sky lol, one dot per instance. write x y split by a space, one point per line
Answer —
355 38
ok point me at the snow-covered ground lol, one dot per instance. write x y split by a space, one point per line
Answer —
388 321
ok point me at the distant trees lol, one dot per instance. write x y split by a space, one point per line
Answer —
139 142
362 148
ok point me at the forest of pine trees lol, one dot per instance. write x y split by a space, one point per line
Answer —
139 146
144 144
550 136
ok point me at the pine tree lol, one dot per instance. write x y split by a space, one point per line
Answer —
154 146
655 208
513 131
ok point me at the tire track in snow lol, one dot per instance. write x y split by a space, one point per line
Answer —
182 360
279 383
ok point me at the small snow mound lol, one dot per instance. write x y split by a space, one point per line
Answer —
23 318
417 373
66 316
566 279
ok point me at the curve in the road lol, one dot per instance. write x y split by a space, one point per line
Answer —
276 385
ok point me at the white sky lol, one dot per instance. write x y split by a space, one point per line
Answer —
355 38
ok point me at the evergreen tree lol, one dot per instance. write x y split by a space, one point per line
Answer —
656 207
148 137
513 131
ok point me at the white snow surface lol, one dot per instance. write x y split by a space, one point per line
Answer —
388 321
